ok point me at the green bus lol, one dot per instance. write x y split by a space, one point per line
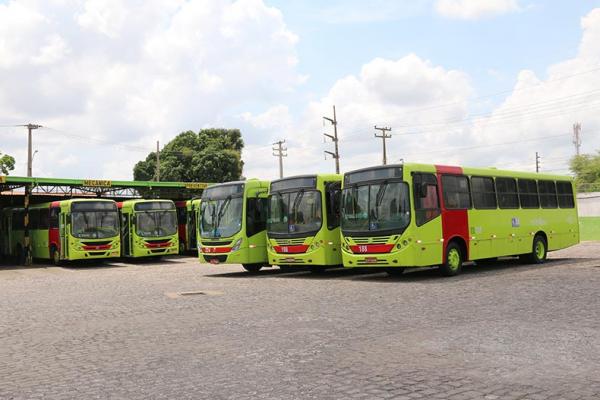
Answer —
187 219
303 222
416 215
233 221
148 228
74 229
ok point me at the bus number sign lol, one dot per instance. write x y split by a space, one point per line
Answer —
97 183
363 249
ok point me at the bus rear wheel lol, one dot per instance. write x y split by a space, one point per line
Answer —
252 267
454 260
539 251
55 256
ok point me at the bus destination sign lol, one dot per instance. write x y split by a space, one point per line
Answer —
196 185
97 183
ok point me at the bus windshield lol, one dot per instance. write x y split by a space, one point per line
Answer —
221 217
94 220
156 223
295 212
376 207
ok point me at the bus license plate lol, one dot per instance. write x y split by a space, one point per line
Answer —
371 260
291 259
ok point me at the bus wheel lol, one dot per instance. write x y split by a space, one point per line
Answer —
394 271
454 260
252 267
539 251
55 256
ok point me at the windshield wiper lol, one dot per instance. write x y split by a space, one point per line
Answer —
222 210
379 197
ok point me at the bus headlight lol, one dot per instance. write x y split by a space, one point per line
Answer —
237 245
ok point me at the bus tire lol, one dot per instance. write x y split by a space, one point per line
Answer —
55 256
252 267
539 251
454 260
394 271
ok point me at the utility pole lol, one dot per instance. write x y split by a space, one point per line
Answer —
279 151
335 154
383 136
577 137
537 162
157 161
30 127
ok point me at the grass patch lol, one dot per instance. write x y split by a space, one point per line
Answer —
589 228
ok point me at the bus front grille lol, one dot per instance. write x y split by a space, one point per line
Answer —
289 242
215 243
370 240
95 243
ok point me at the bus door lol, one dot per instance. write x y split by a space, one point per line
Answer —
63 229
256 225
191 232
427 219
125 234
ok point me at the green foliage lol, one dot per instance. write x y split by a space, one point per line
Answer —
211 155
587 172
7 163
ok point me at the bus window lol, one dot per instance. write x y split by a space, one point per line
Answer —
507 193
528 194
565 195
548 194
44 215
456 192
54 217
484 193
427 205
34 218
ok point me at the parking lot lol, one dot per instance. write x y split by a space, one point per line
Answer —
180 329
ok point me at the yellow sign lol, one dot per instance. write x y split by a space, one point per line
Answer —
2 179
196 185
97 183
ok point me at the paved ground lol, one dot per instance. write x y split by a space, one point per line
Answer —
505 331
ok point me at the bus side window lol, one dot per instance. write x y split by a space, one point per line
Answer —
54 217
565 195
44 216
528 193
548 197
34 218
456 192
427 204
333 194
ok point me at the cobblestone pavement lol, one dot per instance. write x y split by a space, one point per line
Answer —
143 330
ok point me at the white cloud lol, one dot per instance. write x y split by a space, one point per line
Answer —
475 9
134 72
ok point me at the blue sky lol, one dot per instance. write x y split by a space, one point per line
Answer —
543 33
112 77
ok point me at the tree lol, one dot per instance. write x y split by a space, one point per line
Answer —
7 163
587 171
211 155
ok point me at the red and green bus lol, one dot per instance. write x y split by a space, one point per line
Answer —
187 211
74 229
303 223
416 215
148 228
233 221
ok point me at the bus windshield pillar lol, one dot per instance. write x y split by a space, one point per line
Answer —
27 256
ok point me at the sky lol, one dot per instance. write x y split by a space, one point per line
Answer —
469 82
